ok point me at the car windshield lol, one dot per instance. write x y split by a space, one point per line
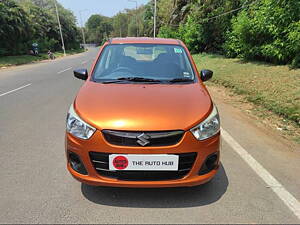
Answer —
143 63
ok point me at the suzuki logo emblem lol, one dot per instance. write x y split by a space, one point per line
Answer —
143 139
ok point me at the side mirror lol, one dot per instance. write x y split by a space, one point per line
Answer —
81 74
206 75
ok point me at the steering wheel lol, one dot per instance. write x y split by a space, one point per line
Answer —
123 69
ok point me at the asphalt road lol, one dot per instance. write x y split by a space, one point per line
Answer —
257 183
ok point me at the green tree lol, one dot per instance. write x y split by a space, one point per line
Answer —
23 22
43 27
147 19
120 25
14 28
98 28
268 31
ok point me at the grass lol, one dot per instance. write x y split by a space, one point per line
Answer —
23 59
275 88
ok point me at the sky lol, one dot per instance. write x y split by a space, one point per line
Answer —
103 7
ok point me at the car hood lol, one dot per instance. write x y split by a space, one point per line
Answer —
143 107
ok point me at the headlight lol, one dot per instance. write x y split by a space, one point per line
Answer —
77 127
209 127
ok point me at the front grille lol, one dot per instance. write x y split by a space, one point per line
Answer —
100 163
147 138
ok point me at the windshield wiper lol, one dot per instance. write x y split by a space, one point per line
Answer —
177 80
131 79
138 79
112 81
142 79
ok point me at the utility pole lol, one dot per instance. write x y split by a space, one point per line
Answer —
61 35
120 25
154 20
82 27
136 17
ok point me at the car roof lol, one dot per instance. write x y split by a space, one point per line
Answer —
144 40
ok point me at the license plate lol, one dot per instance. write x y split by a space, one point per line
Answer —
161 162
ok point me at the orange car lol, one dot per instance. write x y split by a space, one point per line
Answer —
143 118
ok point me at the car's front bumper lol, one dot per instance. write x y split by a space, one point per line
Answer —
188 144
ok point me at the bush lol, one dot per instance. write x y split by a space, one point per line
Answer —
168 32
193 35
294 43
269 31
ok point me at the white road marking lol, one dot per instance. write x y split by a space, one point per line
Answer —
84 62
64 70
291 202
19 88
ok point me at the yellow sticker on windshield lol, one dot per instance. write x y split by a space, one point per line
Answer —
178 50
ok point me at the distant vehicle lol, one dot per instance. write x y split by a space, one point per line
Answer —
35 49
51 55
143 118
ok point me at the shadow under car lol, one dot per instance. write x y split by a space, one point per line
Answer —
159 197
